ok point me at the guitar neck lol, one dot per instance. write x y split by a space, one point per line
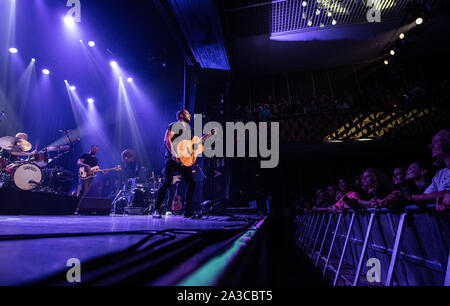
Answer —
110 169
204 137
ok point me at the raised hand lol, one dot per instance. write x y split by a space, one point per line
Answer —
443 201
396 198
376 203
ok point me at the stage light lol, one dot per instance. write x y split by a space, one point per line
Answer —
419 20
13 50
90 100
304 3
401 36
329 14
309 23
130 80
392 52
33 59
386 62
114 64
91 44
317 12
334 22
45 71
72 88
69 21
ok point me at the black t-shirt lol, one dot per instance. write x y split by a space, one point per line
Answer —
129 170
181 133
89 160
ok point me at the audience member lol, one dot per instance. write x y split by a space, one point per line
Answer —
416 176
398 180
375 187
440 184
322 200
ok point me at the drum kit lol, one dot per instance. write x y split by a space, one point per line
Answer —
138 193
32 173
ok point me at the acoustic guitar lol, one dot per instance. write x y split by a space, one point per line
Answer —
84 175
176 204
188 150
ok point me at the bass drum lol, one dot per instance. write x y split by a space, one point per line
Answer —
27 176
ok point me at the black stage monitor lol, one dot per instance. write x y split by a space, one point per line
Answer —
95 206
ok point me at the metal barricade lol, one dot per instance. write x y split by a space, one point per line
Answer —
378 246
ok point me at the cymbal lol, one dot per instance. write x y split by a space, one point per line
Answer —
128 155
10 143
58 148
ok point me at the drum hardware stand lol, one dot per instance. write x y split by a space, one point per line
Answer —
70 143
117 198
38 186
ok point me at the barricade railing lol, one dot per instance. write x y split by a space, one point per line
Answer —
378 246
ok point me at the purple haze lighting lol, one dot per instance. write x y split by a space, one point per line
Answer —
114 64
46 71
91 44
13 50
90 100
130 80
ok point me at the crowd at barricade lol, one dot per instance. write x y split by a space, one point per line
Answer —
373 188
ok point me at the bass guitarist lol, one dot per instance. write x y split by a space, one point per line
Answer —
88 161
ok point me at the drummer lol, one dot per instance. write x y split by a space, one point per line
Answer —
17 152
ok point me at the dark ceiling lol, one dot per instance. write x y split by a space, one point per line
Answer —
256 48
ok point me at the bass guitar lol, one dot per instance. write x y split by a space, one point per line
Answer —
84 175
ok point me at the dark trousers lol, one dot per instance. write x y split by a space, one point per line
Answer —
169 171
85 186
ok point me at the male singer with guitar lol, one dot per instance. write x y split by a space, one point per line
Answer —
88 161
173 164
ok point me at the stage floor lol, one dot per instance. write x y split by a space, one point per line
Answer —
37 247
